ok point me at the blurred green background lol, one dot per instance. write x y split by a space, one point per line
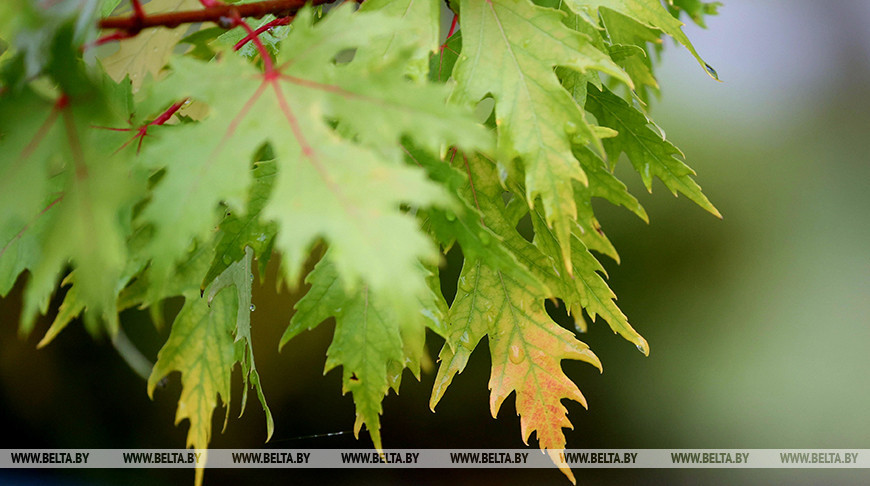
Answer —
758 324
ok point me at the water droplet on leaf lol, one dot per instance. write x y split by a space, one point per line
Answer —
227 260
450 215
484 238
643 347
253 307
712 72
252 277
516 354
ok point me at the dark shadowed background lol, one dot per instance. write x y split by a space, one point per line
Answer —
759 324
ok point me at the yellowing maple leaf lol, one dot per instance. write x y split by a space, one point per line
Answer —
202 347
525 344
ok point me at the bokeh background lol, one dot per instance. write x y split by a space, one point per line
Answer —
759 324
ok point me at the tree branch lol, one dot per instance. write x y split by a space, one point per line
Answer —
218 14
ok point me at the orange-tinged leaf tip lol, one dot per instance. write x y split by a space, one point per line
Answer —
558 458
578 397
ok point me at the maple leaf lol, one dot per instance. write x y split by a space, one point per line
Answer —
509 50
525 344
147 53
60 187
316 189
696 9
602 184
423 17
650 13
238 231
201 346
649 153
464 223
208 337
372 343
239 275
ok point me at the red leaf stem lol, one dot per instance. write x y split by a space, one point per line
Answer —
261 29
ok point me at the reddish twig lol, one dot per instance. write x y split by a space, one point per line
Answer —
444 45
217 14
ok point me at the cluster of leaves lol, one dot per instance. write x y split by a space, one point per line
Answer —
168 166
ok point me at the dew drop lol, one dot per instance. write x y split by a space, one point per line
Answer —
227 259
516 354
484 238
712 72
643 347
450 215
251 277
253 307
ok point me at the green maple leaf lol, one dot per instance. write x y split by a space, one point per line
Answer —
423 17
239 275
650 13
586 289
603 184
372 343
696 9
509 50
317 192
649 153
626 33
464 223
67 200
238 231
